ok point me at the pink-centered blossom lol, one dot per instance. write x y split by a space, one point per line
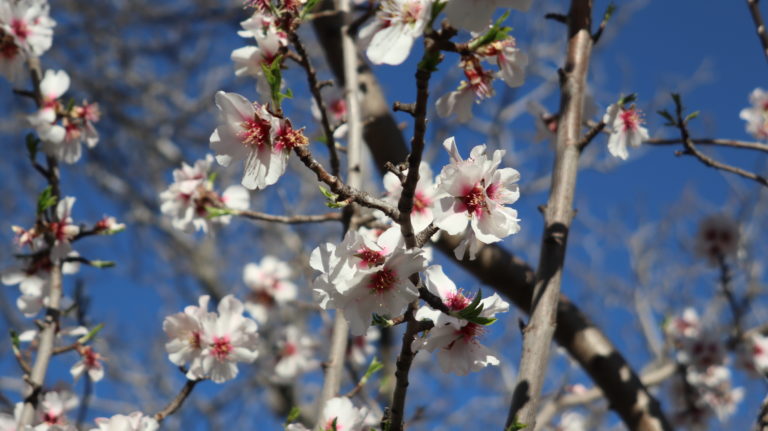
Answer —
363 278
475 15
53 408
228 338
295 352
29 23
509 58
626 129
34 280
397 25
185 333
270 286
64 230
477 87
90 362
361 347
753 354
423 199
136 421
456 339
249 132
188 199
250 60
474 193
757 115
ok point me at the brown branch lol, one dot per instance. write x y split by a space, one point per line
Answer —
558 215
757 18
762 417
733 143
176 403
295 219
507 274
314 88
590 135
690 148
342 190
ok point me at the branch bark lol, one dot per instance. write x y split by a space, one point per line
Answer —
557 220
757 18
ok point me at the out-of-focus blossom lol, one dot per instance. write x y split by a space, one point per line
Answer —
270 286
718 237
626 129
423 198
136 421
89 362
295 354
757 115
391 34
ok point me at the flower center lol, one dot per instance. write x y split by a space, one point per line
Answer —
456 301
370 258
255 132
287 139
339 109
630 119
91 358
382 281
289 350
470 331
20 29
474 200
52 418
412 12
421 202
221 347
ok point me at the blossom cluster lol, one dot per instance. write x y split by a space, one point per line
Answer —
26 30
756 116
190 199
210 343
340 414
704 388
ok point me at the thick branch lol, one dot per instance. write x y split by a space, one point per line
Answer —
557 218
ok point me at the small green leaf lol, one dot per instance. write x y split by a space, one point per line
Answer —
676 98
91 334
14 338
213 212
212 177
308 6
630 98
609 11
327 193
372 368
496 32
667 116
46 200
293 415
102 263
516 426
382 321
691 116
70 105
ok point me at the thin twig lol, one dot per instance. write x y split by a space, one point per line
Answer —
690 148
757 18
314 88
176 403
295 219
733 143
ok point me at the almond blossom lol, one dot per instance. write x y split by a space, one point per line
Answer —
30 24
90 362
391 35
338 414
626 129
362 346
249 60
456 339
423 198
474 192
188 199
475 15
185 331
228 338
477 87
336 106
136 421
53 409
294 354
34 280
53 85
363 278
64 230
270 286
510 59
757 115
251 133
753 354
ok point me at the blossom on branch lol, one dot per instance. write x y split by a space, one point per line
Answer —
454 338
26 29
338 414
190 198
423 198
89 362
53 408
757 115
251 133
294 354
251 60
269 284
363 278
474 192
136 421
397 25
626 129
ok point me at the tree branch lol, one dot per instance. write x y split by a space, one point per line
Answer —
295 219
757 18
176 403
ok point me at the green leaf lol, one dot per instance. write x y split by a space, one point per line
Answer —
46 200
516 426
308 6
212 177
102 263
274 77
496 32
609 11
213 212
293 415
667 116
382 321
691 116
70 105
372 368
14 338
630 98
327 193
676 98
91 334
32 144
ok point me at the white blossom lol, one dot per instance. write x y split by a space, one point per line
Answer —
423 198
185 331
269 284
136 421
756 115
250 59
392 33
474 192
626 129
53 408
295 354
89 362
